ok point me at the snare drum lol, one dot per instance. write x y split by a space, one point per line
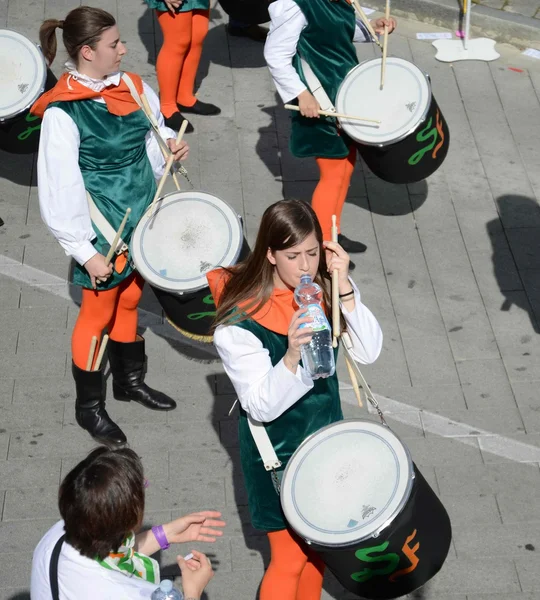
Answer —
412 140
24 76
352 492
189 234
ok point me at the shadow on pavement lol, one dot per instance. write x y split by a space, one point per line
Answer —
21 596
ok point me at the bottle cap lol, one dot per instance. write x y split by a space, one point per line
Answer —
166 585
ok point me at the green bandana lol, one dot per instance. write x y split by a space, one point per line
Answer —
129 562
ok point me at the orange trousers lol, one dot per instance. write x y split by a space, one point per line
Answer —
115 309
179 57
331 191
294 572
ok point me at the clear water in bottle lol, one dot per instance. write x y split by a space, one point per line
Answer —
167 591
318 355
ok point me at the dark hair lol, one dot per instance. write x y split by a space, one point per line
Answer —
284 224
101 500
83 26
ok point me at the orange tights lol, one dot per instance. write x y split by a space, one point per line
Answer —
115 309
179 57
292 574
331 191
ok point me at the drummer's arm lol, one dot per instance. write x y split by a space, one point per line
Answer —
264 391
155 155
364 329
61 191
287 24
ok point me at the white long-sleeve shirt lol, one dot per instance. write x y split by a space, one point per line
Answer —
265 391
62 196
287 24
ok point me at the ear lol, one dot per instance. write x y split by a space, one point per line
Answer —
270 257
87 53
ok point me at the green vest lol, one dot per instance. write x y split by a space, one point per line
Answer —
116 173
318 408
187 5
326 44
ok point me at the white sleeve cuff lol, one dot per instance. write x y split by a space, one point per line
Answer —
82 253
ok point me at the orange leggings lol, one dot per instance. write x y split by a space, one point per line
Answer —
294 573
331 191
179 57
115 309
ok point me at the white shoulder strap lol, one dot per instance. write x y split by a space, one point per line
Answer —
316 87
264 445
104 226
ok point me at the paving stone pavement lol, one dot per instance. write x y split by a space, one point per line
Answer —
451 272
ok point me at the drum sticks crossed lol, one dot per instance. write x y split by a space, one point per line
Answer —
101 352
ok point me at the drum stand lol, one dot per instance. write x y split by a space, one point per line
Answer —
466 49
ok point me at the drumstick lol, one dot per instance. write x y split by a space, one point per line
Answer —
366 22
354 382
168 166
93 345
385 44
101 352
329 113
336 325
148 111
117 237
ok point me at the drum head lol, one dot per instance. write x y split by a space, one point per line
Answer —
400 105
190 234
346 482
22 73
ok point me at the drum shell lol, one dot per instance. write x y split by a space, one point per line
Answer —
252 12
20 134
411 159
426 518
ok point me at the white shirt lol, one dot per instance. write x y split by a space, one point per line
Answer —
287 24
265 391
62 196
81 578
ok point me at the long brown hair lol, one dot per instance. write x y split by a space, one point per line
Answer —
284 224
83 26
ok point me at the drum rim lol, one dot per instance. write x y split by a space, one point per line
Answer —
204 283
392 516
410 131
10 116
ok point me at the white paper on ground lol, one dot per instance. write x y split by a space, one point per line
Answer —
532 52
445 35
368 11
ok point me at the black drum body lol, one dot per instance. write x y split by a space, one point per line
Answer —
20 134
403 557
252 12
415 157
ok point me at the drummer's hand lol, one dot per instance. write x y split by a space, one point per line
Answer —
172 4
297 338
337 258
309 107
378 25
180 150
98 269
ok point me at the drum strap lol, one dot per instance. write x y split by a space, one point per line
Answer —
316 87
107 231
264 445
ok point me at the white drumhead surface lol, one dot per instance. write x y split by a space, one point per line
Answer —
346 482
400 105
22 73
190 234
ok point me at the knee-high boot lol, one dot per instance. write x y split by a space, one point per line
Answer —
90 407
128 362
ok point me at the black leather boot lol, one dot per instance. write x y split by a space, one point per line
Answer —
128 362
90 408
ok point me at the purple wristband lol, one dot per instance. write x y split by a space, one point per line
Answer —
160 536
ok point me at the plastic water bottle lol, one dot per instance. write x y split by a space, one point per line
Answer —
166 591
318 355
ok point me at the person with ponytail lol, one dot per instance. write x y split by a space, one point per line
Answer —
258 334
98 146
184 24
322 33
